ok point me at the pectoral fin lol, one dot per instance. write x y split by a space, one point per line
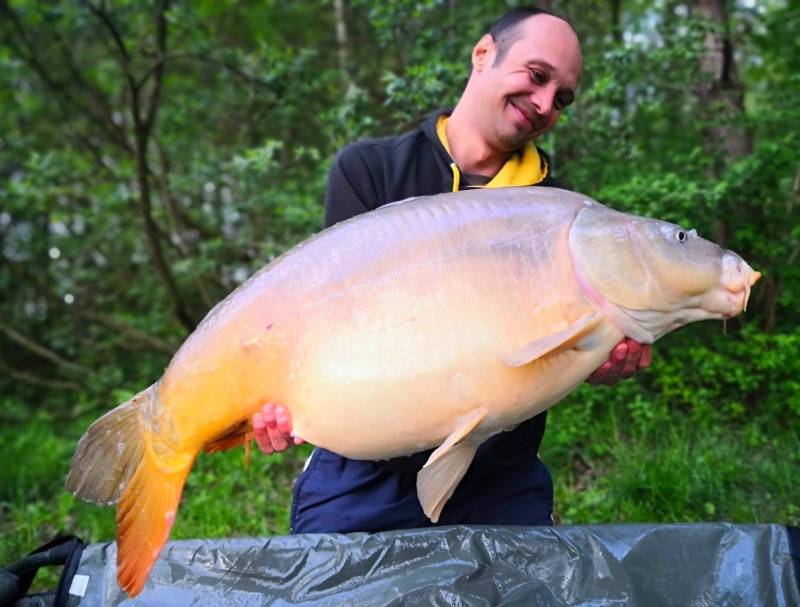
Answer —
538 348
446 466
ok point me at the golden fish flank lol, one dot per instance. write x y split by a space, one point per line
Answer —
430 323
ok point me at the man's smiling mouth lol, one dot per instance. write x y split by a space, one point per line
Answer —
525 116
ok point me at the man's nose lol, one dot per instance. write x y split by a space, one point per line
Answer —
543 99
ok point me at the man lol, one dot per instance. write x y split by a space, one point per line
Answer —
524 73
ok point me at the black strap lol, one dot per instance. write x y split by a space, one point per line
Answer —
794 551
70 568
64 550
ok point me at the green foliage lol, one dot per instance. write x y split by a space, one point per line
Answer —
411 95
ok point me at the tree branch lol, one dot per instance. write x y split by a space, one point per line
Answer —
34 380
42 351
101 14
95 93
158 74
64 98
131 332
179 216
119 327
142 125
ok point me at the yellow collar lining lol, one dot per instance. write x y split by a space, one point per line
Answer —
524 167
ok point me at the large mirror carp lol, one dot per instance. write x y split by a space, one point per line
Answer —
430 323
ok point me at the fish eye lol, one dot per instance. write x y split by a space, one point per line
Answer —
681 236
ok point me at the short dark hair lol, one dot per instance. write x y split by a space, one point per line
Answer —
505 30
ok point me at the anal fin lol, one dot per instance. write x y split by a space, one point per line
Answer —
446 466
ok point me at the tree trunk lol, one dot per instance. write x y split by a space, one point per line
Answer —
616 22
721 95
343 42
726 137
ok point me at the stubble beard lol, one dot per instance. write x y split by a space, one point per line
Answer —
511 138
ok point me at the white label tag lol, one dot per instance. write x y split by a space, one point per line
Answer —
79 584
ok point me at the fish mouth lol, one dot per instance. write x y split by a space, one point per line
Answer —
737 280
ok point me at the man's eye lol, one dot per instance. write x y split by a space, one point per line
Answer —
538 76
562 101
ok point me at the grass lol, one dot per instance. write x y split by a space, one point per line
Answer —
613 461
672 472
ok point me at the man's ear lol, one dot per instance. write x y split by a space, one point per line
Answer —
483 53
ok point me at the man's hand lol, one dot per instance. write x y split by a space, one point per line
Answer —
626 358
272 427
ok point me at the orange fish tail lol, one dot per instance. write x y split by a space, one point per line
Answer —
146 513
120 460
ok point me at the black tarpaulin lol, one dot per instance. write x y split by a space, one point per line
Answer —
649 565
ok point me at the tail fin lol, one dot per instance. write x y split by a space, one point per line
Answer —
109 453
145 515
115 462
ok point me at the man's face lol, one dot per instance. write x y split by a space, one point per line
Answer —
522 95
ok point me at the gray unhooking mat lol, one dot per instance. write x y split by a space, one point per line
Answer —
649 565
